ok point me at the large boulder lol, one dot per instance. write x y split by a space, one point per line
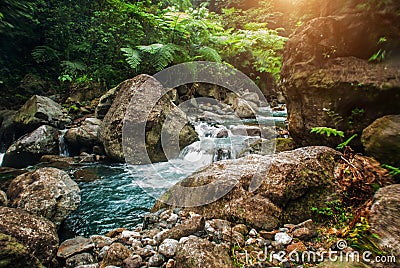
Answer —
6 129
111 128
85 136
47 192
105 102
30 148
37 234
15 254
329 81
289 185
195 252
384 218
381 139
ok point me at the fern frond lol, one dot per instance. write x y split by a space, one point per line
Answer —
209 54
73 66
327 131
44 54
132 57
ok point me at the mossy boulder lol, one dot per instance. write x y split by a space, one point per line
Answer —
329 81
381 139
14 254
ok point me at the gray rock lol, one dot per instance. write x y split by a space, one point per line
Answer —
168 247
105 103
156 260
85 136
384 218
47 192
190 226
244 130
244 109
37 234
30 148
120 114
283 238
73 246
381 139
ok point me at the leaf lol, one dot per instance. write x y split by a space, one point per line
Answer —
132 57
209 54
43 54
327 131
344 144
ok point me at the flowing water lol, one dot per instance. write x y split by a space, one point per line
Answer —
1 158
124 193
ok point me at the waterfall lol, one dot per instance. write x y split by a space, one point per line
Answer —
1 158
63 148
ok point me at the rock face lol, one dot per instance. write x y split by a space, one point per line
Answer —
381 139
197 252
327 78
47 192
384 217
105 103
84 137
37 234
30 148
6 130
290 183
111 128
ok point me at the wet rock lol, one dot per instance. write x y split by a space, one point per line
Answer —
86 175
3 199
57 161
168 247
290 183
115 255
134 261
30 148
299 246
85 136
79 259
116 117
47 192
186 228
244 130
381 139
37 234
197 252
384 217
15 254
73 246
327 77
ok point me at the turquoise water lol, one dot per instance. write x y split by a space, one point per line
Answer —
123 194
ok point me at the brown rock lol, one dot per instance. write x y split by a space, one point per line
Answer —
299 246
326 75
37 234
115 255
48 192
195 252
290 183
73 246
186 228
381 139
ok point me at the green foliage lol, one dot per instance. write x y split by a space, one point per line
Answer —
327 131
346 142
42 54
334 213
361 238
395 171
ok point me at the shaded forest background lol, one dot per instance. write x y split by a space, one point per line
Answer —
51 47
